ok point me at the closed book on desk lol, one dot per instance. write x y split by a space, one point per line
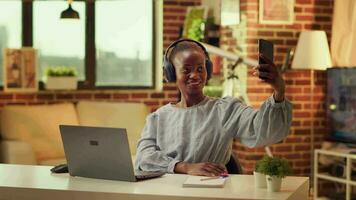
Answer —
204 182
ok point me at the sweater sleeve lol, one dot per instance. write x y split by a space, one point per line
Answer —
149 156
268 125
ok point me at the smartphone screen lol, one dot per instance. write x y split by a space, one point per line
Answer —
265 47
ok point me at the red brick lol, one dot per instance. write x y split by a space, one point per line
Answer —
273 26
299 147
328 10
24 96
291 139
303 2
83 96
322 18
36 103
297 9
64 96
157 95
297 106
173 95
296 123
139 95
302 98
285 34
283 148
303 163
312 10
293 90
173 9
255 90
169 87
302 132
6 96
304 17
292 156
265 33
277 42
151 103
15 103
294 26
121 96
45 96
322 3
187 3
291 42
102 96
302 82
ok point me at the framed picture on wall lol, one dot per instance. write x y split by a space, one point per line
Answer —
230 12
193 23
20 70
276 11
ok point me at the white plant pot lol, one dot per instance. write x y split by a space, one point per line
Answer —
260 180
273 183
61 83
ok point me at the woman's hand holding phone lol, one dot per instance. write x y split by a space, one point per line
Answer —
268 72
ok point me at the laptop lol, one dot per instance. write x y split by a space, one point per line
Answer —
97 152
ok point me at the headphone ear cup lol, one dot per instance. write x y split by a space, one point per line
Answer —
209 68
169 71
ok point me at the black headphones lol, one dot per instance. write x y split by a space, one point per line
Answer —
169 69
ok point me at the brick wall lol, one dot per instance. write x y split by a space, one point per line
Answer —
310 14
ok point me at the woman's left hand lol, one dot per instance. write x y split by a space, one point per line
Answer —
270 74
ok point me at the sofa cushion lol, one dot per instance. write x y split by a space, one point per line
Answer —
131 116
38 125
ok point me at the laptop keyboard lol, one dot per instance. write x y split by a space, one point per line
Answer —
141 175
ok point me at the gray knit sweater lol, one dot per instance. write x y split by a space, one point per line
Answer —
204 132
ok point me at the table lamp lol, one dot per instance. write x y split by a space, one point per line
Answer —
312 53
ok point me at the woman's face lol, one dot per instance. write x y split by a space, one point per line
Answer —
190 71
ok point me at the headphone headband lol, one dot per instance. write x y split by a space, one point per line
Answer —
175 43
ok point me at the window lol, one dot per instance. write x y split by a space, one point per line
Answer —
114 44
59 42
10 28
124 44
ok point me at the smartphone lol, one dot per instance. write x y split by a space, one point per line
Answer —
265 47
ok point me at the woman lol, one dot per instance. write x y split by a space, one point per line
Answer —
194 136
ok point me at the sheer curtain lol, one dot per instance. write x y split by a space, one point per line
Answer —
343 41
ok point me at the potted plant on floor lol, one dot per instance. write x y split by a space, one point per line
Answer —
60 78
275 170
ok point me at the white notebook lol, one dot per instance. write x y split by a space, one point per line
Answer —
202 182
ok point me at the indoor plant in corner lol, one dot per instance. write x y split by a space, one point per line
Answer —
275 170
60 78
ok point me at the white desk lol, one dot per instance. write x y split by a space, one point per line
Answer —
36 182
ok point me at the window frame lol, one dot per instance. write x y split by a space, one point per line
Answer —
90 50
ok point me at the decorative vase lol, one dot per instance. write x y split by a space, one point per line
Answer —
61 83
260 180
273 183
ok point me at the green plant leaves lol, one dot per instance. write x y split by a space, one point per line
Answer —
273 166
60 71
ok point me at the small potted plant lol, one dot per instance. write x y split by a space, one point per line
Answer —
275 170
60 78
260 178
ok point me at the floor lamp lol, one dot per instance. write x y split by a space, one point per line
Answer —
312 53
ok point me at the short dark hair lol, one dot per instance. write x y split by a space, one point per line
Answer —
182 46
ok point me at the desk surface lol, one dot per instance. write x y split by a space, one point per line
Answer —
36 182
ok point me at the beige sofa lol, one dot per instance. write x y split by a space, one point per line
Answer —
30 134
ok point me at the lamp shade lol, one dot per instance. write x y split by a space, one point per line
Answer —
69 13
312 51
